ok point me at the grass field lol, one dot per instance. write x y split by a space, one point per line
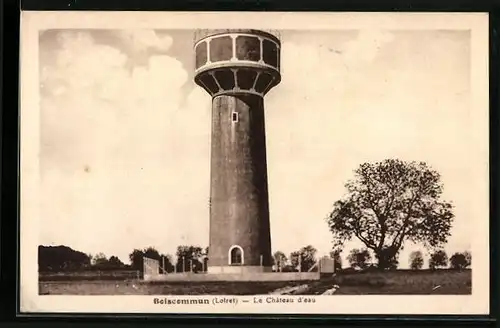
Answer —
89 276
400 282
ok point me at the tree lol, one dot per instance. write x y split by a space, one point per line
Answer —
163 259
393 263
137 259
99 259
438 259
468 258
115 262
459 261
304 259
101 262
359 258
388 203
189 255
166 263
60 258
337 259
280 260
416 260
152 253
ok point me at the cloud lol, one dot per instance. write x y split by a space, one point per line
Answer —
126 125
332 67
144 40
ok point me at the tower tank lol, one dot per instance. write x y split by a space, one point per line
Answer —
237 68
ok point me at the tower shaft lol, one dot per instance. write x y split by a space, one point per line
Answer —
239 213
237 68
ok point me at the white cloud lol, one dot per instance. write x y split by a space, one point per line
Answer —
329 68
127 126
138 40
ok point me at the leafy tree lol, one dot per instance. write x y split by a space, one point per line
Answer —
468 258
152 253
187 256
438 259
304 259
99 259
280 260
459 261
101 262
393 263
61 258
416 260
115 262
359 258
388 203
337 259
166 260
137 259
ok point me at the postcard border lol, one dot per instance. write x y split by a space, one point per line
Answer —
32 24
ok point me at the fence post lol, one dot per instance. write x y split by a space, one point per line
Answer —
163 264
191 265
261 260
183 264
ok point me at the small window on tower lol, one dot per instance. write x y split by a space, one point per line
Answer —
235 117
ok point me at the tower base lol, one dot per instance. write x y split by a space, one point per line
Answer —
245 276
235 269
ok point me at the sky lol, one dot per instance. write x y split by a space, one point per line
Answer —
125 132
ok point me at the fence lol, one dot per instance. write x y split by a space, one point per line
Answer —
323 265
152 271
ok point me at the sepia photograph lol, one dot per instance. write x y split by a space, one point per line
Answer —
254 163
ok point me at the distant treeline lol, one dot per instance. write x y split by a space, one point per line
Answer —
53 259
66 259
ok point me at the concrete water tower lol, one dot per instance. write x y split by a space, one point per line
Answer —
237 68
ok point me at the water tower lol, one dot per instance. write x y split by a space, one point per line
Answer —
237 68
